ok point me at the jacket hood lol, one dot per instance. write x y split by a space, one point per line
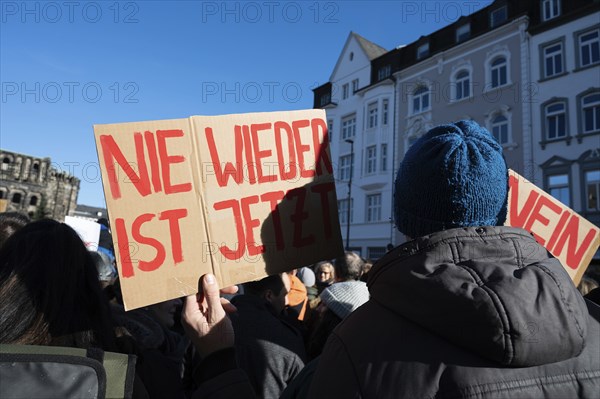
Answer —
491 290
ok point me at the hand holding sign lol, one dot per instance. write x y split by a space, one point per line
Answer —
205 320
238 196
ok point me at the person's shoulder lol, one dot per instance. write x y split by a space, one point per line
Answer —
364 320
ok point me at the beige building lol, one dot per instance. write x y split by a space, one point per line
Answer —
31 185
565 39
479 79
527 70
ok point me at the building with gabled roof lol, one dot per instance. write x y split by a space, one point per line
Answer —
489 67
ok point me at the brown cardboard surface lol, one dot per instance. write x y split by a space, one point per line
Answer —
275 211
139 240
567 235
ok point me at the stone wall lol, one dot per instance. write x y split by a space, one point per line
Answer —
33 186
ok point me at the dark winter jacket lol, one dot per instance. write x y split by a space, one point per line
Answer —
160 352
481 312
268 349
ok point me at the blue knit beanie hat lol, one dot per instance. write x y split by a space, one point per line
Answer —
453 176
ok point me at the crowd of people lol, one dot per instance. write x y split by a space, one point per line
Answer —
459 310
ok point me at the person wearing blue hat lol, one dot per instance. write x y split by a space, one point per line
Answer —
467 307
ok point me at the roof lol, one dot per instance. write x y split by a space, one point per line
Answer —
91 211
371 49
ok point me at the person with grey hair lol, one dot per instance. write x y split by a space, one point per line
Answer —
468 308
348 267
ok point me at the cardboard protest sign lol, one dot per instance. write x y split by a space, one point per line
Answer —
565 234
3 205
240 196
88 230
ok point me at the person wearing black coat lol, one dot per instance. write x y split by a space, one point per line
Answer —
469 308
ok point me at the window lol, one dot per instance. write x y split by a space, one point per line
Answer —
330 129
500 129
372 116
33 200
556 120
550 9
343 210
589 48
354 86
592 190
374 208
345 90
348 127
463 85
384 72
383 157
345 168
498 70
371 160
5 163
422 51
420 100
463 33
553 59
498 16
375 253
325 99
16 198
558 187
385 112
590 112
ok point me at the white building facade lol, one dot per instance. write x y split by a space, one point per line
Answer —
360 120
527 70
565 68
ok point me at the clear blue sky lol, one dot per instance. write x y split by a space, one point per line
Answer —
65 66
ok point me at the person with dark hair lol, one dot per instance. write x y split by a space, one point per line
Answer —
468 307
50 290
10 222
51 296
160 350
348 267
269 350
337 302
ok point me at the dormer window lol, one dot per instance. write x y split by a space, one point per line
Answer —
384 72
422 51
550 9
463 33
498 16
325 99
